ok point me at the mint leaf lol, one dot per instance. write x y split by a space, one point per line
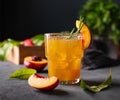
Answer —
23 73
97 88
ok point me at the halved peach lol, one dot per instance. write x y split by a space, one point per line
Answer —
85 34
38 65
43 83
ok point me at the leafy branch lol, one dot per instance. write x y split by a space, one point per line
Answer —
103 18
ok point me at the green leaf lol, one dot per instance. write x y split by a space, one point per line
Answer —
6 46
97 88
23 73
38 39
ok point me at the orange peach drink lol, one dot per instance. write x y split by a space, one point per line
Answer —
64 56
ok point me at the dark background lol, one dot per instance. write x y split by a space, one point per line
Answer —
21 19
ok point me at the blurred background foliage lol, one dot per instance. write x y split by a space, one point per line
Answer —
103 18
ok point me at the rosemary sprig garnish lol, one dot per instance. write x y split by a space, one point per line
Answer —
72 31
80 25
75 34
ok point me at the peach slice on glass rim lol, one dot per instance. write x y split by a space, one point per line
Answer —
35 64
43 83
85 34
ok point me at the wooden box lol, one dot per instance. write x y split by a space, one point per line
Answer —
18 53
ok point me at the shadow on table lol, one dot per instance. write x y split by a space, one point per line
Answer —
57 92
43 71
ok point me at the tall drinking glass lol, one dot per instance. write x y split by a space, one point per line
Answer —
64 56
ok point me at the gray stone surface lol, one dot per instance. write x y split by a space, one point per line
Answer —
14 89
